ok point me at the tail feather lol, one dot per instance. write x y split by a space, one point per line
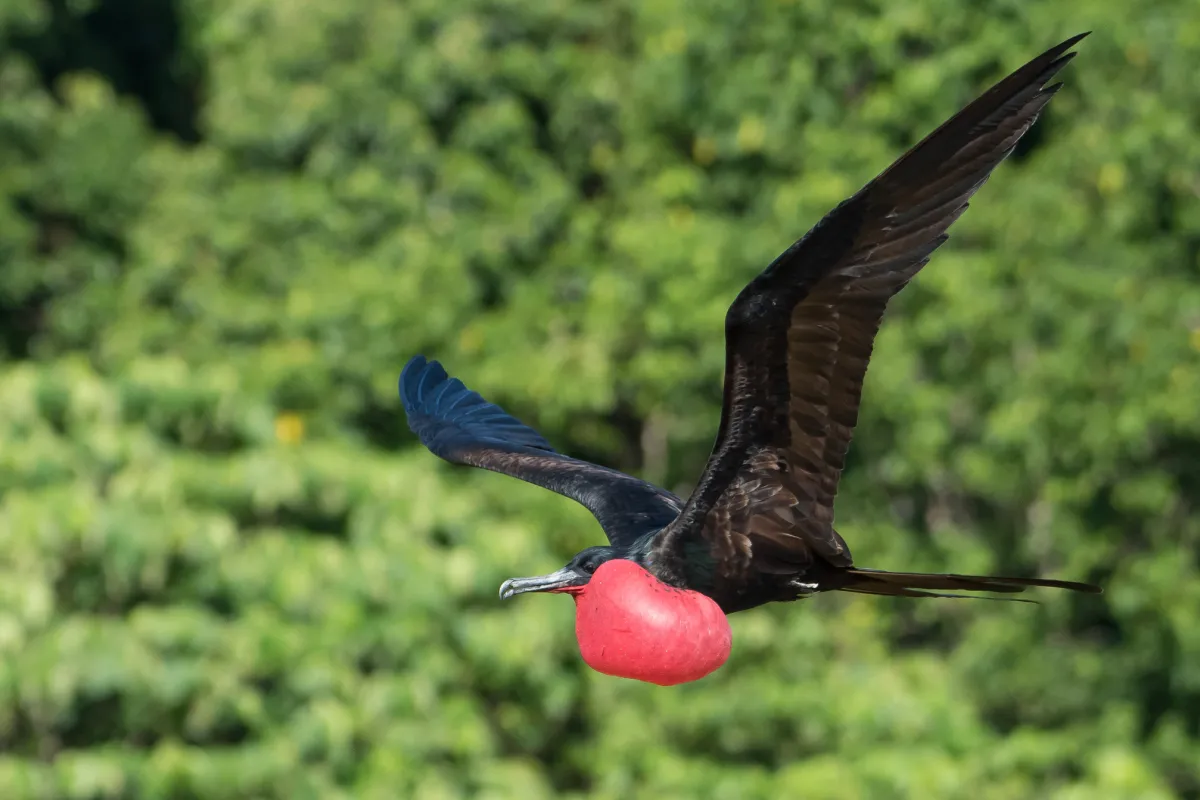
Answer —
920 584
900 591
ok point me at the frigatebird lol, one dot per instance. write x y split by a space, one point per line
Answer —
758 527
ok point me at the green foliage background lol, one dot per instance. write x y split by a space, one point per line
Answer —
226 569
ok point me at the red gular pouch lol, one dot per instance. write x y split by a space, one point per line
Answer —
631 625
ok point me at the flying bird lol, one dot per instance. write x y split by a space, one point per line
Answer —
758 528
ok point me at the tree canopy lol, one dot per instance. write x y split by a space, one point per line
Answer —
227 570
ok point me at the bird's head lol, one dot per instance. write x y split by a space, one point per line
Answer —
571 578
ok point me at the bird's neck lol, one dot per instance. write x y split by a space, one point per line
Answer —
639 551
689 568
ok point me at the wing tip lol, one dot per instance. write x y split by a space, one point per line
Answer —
1059 55
1070 42
1056 58
418 376
436 403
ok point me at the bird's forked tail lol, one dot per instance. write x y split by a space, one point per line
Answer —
919 584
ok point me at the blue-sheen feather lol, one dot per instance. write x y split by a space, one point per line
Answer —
460 426
445 413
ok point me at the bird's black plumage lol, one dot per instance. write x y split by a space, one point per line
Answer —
759 525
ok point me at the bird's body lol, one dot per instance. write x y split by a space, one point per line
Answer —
758 527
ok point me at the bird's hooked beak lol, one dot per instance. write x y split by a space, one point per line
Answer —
563 580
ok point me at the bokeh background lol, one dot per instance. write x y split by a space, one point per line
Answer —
228 571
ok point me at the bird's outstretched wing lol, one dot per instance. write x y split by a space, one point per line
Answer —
458 425
799 336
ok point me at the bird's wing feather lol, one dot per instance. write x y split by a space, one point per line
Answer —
799 336
459 426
